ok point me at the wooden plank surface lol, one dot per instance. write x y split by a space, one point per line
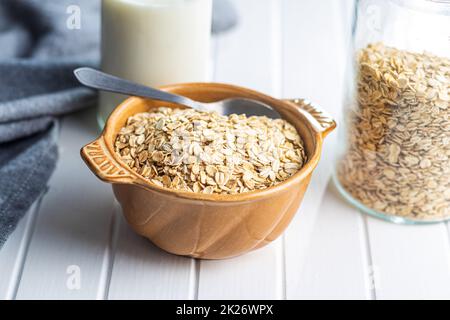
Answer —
14 253
337 265
314 69
143 271
71 231
286 48
411 262
248 56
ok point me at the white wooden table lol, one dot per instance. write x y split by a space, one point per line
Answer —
286 48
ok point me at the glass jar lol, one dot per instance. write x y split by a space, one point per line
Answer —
154 42
394 155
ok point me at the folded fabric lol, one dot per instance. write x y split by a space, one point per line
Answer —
25 167
37 58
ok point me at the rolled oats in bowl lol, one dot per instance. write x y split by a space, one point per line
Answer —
397 158
204 152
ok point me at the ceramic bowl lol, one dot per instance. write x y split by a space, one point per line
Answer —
203 225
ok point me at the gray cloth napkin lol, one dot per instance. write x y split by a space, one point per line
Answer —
37 55
38 52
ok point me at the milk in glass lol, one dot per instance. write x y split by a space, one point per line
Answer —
154 42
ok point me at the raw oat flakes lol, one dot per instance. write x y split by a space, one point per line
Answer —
205 152
398 154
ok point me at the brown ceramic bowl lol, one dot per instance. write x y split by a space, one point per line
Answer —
203 225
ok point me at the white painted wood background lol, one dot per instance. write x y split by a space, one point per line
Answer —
286 48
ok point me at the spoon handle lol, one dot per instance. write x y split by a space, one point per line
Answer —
102 81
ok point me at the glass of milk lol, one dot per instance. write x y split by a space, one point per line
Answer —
154 42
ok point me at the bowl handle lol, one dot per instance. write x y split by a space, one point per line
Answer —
322 122
102 164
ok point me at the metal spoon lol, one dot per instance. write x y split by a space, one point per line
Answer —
99 80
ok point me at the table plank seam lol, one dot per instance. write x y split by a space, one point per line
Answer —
23 249
370 280
109 255
194 278
448 231
283 268
215 46
277 40
277 63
